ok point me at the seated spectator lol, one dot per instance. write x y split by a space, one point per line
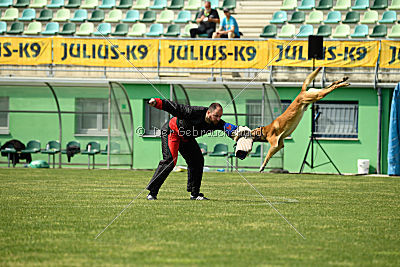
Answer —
207 20
229 27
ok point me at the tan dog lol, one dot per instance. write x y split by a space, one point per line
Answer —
287 122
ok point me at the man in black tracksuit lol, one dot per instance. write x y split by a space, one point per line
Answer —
179 134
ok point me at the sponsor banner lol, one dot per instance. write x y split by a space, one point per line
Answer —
390 54
101 52
25 51
213 54
346 54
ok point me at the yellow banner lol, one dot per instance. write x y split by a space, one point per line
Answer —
346 54
213 54
101 52
25 51
390 54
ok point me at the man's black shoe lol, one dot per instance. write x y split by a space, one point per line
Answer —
199 197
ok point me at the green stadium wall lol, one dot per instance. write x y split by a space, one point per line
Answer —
147 150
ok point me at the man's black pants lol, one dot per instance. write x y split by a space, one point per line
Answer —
200 30
171 143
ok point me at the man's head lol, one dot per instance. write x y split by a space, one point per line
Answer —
214 113
207 5
227 13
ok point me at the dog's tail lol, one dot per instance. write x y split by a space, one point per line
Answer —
310 78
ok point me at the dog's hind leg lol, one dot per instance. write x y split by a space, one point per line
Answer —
310 78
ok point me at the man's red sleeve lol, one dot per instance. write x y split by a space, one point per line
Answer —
158 103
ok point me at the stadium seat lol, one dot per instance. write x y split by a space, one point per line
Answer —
379 31
92 148
360 31
125 4
90 4
352 17
380 4
315 17
73 4
342 5
257 152
370 17
38 4
388 17
220 150
19 3
62 15
10 14
395 32
324 5
68 29
3 27
166 16
71 144
148 16
159 5
107 4
229 4
360 5
56 4
297 17
45 15
306 5
324 30
52 148
176 4
132 16
28 15
138 29
86 29
279 17
289 5
183 17
395 5
80 15
193 5
305 31
269 31
6 3
51 28
97 16
33 146
120 30
115 149
287 31
203 148
104 29
114 15
195 16
33 28
141 4
186 30
173 30
155 30
333 17
341 31
214 4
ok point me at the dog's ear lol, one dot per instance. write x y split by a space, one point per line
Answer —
310 78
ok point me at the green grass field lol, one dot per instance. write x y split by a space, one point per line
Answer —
51 217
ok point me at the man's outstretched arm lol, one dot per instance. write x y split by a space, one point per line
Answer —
175 109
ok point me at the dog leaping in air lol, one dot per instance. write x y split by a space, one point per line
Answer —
287 122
